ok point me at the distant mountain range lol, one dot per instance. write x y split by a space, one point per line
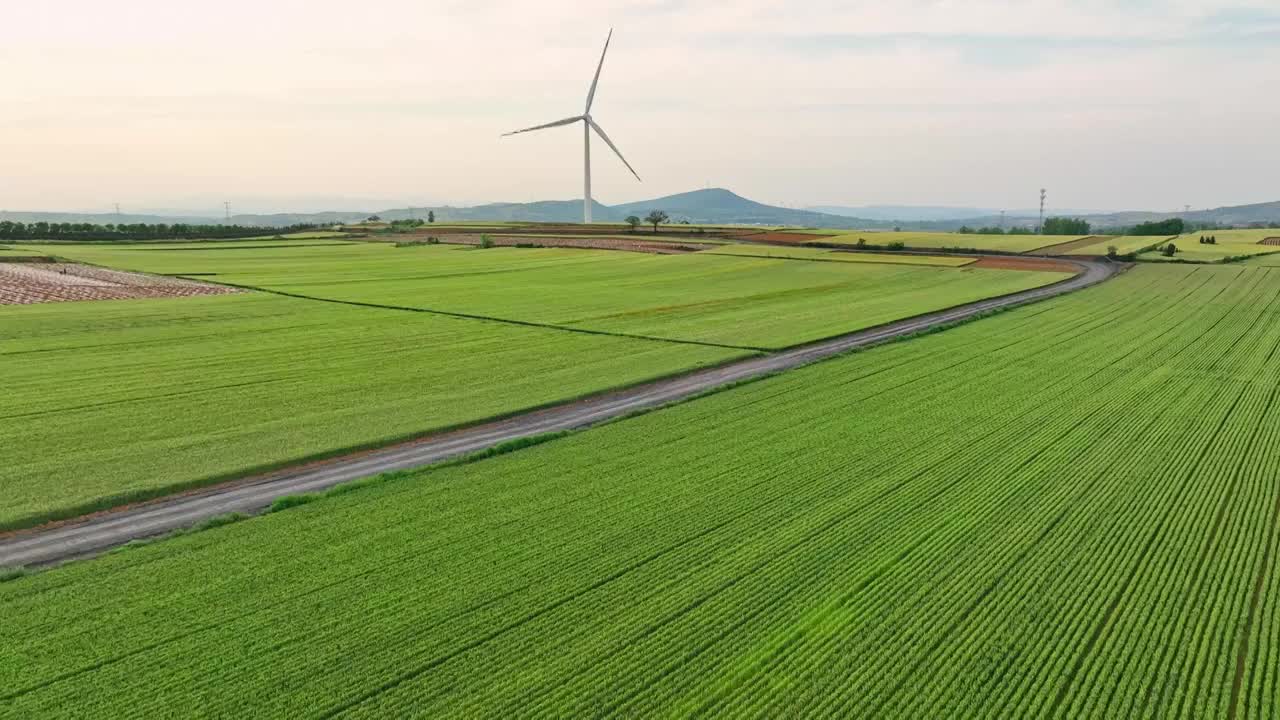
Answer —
707 206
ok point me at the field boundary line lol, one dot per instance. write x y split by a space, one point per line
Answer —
488 318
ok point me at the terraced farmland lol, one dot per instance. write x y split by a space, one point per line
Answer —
738 301
109 401
1068 510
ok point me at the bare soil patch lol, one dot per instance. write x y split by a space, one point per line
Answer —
1033 264
27 283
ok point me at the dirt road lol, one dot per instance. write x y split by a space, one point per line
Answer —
94 534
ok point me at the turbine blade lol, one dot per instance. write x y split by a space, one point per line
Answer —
591 94
600 131
557 123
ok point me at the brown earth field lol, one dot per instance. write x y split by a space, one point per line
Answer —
1270 241
27 283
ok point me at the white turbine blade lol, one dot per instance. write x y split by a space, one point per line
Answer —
591 94
600 131
557 123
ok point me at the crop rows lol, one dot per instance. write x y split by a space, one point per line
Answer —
702 297
1069 510
107 402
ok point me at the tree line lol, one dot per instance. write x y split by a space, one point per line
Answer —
10 230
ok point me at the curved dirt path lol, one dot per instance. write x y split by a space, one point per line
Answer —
96 533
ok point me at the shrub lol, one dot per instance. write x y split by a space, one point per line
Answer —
896 245
486 241
1169 250
1112 252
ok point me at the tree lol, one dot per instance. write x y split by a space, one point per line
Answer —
656 218
374 218
431 216
965 230
633 221
1112 252
1169 250
1066 226
1168 228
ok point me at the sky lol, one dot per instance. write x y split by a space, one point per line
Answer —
292 105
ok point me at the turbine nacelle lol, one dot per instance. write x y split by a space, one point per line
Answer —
589 125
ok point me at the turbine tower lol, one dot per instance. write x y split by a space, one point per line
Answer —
587 126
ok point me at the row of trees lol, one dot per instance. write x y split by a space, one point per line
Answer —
966 230
1052 226
654 218
10 230
1172 226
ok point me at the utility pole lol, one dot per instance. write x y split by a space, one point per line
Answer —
1040 227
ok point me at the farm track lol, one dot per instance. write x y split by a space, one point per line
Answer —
94 534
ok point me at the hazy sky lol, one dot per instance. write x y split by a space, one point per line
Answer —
287 104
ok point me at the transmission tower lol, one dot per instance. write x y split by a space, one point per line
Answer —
226 209
1040 227
117 211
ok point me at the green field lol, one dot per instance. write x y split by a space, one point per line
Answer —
18 252
108 401
932 240
807 253
1067 510
1231 244
1124 244
743 302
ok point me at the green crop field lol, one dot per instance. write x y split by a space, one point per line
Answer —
932 240
1230 244
108 401
807 253
1067 510
1124 244
743 302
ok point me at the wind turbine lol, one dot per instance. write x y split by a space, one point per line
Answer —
587 126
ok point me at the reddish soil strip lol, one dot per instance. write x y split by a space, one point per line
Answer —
1066 247
58 282
1270 241
1024 263
637 245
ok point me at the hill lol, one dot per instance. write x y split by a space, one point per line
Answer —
721 206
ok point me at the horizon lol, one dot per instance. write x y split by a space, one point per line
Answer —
916 104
